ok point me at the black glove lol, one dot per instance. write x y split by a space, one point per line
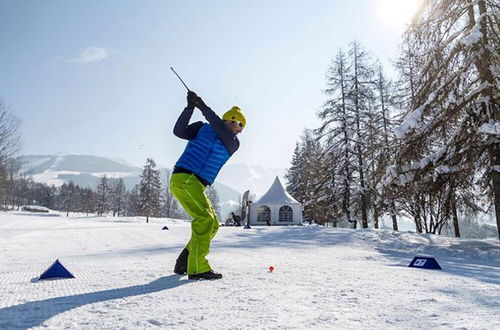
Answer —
191 99
199 103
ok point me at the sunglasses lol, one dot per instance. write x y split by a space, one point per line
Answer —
237 122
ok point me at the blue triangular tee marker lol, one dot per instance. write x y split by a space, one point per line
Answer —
424 261
56 270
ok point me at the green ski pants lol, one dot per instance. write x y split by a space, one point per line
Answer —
190 192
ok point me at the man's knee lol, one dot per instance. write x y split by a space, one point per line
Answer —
202 225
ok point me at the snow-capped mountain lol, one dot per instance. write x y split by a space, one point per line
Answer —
83 170
86 170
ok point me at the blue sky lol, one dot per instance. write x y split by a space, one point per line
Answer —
93 77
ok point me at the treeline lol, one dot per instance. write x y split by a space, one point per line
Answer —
424 146
149 198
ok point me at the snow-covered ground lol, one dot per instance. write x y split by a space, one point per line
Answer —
324 278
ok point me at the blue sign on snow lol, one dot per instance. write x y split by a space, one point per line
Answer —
424 261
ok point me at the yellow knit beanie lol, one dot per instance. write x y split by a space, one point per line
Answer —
235 114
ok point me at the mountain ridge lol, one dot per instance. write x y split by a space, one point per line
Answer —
86 171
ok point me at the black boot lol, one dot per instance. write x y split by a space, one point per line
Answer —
210 275
181 264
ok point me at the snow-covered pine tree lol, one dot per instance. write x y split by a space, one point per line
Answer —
88 200
214 200
320 185
103 201
76 198
150 191
293 176
361 95
306 177
450 134
21 193
132 207
331 191
46 195
336 130
346 116
65 197
118 197
383 148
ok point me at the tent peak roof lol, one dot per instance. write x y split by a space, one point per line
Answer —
277 194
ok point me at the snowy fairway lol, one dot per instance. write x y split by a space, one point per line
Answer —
323 278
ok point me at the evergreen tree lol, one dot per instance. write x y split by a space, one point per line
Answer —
448 136
75 197
46 195
361 96
306 178
65 198
294 175
133 208
118 197
383 148
88 200
337 131
150 191
103 201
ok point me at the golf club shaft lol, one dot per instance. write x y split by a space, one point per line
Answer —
180 79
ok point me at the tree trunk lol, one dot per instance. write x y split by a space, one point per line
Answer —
347 179
375 218
418 225
496 187
394 223
455 217
493 153
484 66
393 216
364 214
418 219
455 221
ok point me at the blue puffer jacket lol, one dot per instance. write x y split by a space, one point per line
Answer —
205 154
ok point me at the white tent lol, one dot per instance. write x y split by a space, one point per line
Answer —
276 207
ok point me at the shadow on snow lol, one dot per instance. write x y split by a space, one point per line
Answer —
35 313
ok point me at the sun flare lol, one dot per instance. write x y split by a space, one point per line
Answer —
396 11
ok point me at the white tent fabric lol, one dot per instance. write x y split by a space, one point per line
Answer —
277 195
277 207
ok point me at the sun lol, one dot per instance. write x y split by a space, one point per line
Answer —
398 12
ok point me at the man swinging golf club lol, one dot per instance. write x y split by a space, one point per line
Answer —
210 146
